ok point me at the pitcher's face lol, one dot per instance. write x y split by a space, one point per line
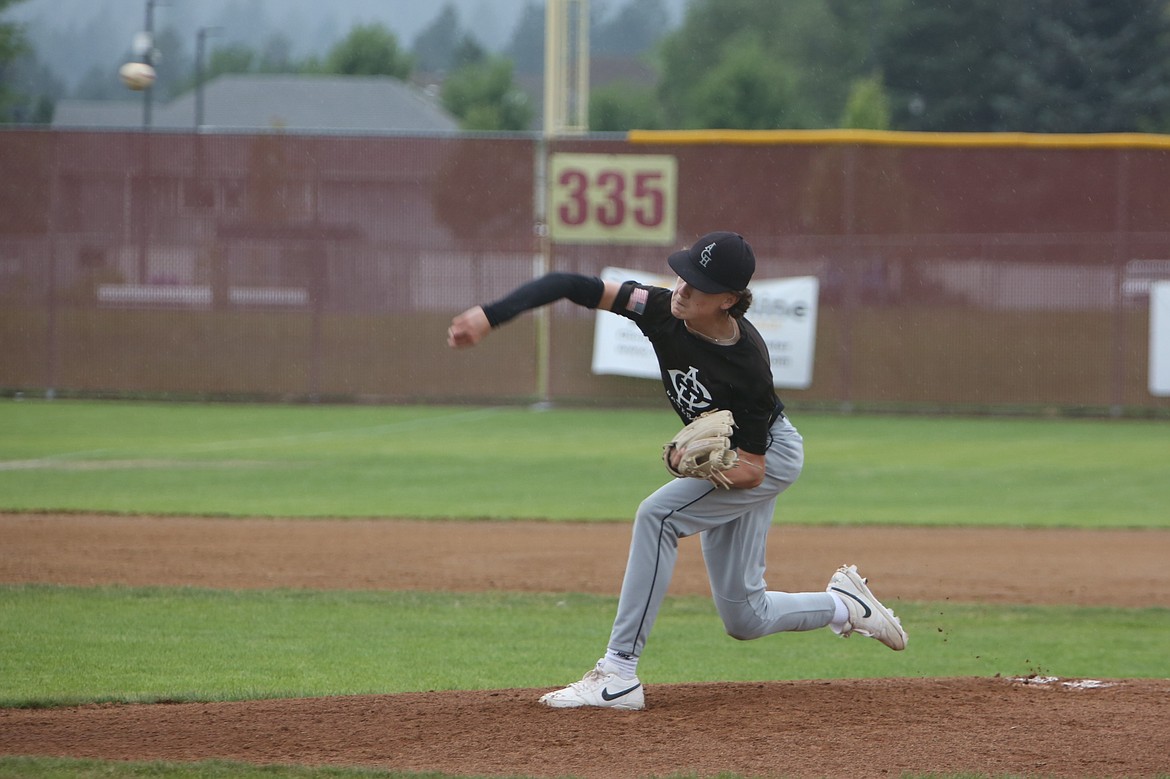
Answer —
690 304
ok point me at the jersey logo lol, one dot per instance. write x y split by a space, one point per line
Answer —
688 393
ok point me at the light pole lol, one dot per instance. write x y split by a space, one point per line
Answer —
566 67
148 58
200 46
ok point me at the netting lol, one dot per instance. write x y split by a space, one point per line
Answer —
292 266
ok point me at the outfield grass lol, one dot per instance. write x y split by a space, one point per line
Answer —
435 462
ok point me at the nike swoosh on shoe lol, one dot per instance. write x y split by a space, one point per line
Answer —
613 696
864 605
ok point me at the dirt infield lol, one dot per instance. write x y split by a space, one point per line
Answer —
839 728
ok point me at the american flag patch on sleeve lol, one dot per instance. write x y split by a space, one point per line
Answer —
637 301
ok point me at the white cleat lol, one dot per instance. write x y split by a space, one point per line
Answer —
867 615
598 688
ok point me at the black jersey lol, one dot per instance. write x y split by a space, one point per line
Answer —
701 376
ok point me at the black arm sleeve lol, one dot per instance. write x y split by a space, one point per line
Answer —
582 290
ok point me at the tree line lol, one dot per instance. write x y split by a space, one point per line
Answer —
1063 66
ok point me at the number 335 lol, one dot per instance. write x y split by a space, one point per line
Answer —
622 198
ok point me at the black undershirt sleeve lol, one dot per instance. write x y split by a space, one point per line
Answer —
582 290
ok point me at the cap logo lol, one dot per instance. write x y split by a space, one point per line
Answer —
706 255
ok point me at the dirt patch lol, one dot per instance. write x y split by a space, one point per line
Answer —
1090 568
849 728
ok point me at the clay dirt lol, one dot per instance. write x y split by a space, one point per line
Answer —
1028 726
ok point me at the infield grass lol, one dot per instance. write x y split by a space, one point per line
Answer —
57 768
505 463
65 645
54 768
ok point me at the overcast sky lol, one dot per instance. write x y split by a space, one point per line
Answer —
74 35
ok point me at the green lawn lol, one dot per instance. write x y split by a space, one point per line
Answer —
69 645
423 461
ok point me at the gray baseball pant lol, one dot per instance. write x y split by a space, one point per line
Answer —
734 525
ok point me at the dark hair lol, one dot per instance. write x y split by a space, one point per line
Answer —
742 305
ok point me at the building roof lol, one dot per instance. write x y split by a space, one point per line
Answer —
289 102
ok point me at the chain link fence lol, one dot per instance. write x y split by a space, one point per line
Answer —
963 273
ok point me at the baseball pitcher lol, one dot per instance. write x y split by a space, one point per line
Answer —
736 452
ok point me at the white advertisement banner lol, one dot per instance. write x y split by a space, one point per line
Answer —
1160 338
783 310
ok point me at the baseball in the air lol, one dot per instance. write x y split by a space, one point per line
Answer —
137 75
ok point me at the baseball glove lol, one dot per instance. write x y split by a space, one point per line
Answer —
706 448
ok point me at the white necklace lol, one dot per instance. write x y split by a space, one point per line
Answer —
717 341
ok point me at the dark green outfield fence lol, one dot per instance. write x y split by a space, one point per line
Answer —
956 272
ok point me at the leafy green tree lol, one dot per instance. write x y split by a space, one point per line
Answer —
369 50
173 65
230 58
29 89
633 30
944 62
868 106
1089 66
1040 66
275 56
434 47
35 87
745 90
444 46
483 97
12 40
814 49
101 82
12 45
620 106
526 47
467 52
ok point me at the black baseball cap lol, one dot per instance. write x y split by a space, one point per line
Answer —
717 262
